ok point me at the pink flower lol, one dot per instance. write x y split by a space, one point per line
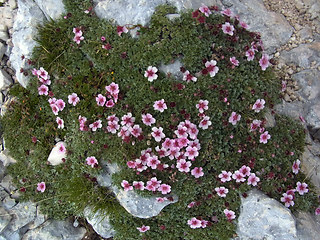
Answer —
157 134
91 161
193 131
61 148
302 188
183 142
197 172
126 186
138 185
190 205
147 119
202 105
205 123
140 166
238 176
264 62
78 39
60 123
103 38
181 132
225 176
73 99
191 152
43 90
54 109
41 187
258 105
204 9
264 137
41 73
234 61
143 228
121 29
317 211
227 28
160 105
153 184
183 165
127 120
153 162
162 152
124 132
131 164
95 125
229 214
77 31
45 81
245 170
227 12
250 54
167 144
60 104
135 130
287 199
221 191
253 180
113 127
255 125
150 73
194 223
244 25
113 118
161 199
164 188
101 100
204 223
110 103
212 68
188 77
234 118
113 88
295 166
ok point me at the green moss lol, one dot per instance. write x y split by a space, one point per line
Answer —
87 68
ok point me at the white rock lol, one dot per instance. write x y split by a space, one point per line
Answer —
55 157
4 36
173 69
13 4
52 9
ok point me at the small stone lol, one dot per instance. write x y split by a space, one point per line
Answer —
4 36
55 156
287 98
5 158
7 184
3 49
171 17
277 54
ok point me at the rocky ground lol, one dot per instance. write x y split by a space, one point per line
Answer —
290 30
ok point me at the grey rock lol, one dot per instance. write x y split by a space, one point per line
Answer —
5 79
313 117
8 203
3 49
5 218
173 16
270 120
262 217
24 213
55 230
310 165
4 36
309 83
100 223
10 235
2 171
173 69
52 9
305 33
294 109
4 156
303 55
308 226
7 184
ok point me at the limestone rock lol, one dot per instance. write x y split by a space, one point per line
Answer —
7 184
309 82
311 165
5 79
3 49
5 158
270 120
262 217
5 219
55 156
99 223
55 230
308 226
52 9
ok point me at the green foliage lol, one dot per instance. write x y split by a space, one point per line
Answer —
86 69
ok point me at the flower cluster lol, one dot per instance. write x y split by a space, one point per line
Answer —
152 185
44 79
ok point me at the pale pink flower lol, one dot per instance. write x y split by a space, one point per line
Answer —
157 134
45 81
113 118
164 188
264 62
225 176
255 125
82 120
197 172
302 188
244 25
143 228
60 123
78 39
238 176
173 152
54 109
95 125
194 223
113 88
41 73
138 185
153 162
135 130
287 199
212 67
234 61
101 100
188 77
103 38
183 142
181 132
162 152
183 165
258 105
229 214
126 186
121 29
250 54
204 9
160 105
193 131
161 199
109 103
167 144
191 152
234 118
264 137
41 187
140 166
204 223
202 105
77 31
43 90
91 161
150 73
61 148
60 104
227 28
253 179
131 164
221 191
190 205
35 72
195 143
245 170
227 12
127 120
124 132
205 123
317 211
153 184
113 127
296 166
73 99
52 100
147 119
